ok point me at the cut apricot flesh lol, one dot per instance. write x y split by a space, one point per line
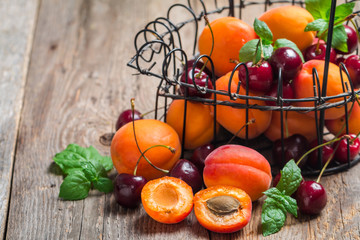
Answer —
222 208
167 199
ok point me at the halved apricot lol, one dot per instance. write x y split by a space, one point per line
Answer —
222 208
167 199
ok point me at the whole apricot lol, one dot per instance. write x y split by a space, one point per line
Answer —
149 132
230 34
233 119
289 22
295 124
199 122
240 167
303 86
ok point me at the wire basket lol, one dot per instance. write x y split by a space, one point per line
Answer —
159 45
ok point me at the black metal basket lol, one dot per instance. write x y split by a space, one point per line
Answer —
161 39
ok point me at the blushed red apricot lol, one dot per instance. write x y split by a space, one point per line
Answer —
238 166
167 199
222 209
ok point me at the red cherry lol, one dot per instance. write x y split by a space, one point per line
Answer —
127 189
126 117
199 155
327 151
286 59
260 76
311 197
288 93
352 64
313 53
341 151
188 172
352 40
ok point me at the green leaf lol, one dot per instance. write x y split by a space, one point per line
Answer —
339 40
104 184
317 25
247 52
318 8
75 186
104 160
282 42
288 202
343 10
262 30
273 217
267 51
290 178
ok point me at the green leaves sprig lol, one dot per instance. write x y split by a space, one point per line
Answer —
320 10
279 201
258 49
84 167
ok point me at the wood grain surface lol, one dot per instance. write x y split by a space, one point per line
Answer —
76 86
17 23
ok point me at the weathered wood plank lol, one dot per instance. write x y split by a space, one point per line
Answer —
18 19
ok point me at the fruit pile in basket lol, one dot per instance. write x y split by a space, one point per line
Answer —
278 52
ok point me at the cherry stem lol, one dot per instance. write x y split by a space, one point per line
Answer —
132 101
143 155
327 163
319 146
251 121
212 47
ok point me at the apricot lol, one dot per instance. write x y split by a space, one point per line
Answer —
289 22
337 126
167 199
222 209
240 167
149 132
295 124
230 34
232 119
199 122
303 86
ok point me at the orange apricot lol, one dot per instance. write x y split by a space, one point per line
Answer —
222 209
295 124
238 166
337 126
232 119
199 122
289 22
303 86
149 132
230 34
167 199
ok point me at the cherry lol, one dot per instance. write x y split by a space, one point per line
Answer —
286 59
327 152
352 40
311 197
352 64
294 147
201 77
260 76
288 93
187 171
341 151
126 117
199 155
313 53
127 189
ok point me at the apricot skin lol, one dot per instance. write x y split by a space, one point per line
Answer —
238 166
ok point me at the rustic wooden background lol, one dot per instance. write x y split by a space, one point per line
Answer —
64 79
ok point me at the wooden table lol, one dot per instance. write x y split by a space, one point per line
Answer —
64 79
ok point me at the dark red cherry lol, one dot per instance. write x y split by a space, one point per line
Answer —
288 93
260 76
352 64
127 189
341 151
294 147
286 59
126 117
352 40
201 79
311 197
327 152
187 171
199 155
319 52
